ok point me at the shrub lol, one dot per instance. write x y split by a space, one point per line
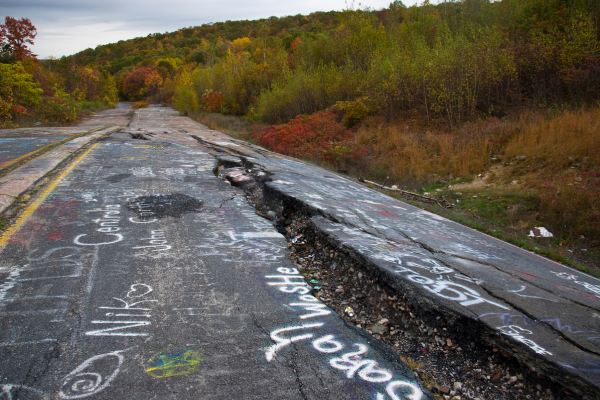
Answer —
302 92
57 110
17 90
140 104
213 101
352 112
318 137
186 101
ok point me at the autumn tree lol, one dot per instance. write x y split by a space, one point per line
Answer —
15 35
17 91
152 83
135 82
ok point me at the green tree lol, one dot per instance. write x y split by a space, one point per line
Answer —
17 90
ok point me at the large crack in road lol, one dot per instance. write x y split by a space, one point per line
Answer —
144 275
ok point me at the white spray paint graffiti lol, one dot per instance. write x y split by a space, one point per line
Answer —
142 172
157 242
414 392
353 364
516 332
84 381
6 391
409 255
142 222
254 235
11 281
77 240
281 342
128 310
592 288
523 287
109 224
367 369
448 290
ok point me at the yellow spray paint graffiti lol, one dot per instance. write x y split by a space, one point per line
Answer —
133 158
173 362
149 147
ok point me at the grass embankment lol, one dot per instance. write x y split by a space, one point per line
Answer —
232 125
507 177
504 177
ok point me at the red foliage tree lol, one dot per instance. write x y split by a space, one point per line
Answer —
318 137
17 34
135 81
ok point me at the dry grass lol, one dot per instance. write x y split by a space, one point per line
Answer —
410 155
571 138
550 176
563 156
232 125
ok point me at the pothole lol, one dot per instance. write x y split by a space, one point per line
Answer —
135 135
117 178
164 205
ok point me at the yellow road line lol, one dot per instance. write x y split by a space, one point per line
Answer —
40 199
41 149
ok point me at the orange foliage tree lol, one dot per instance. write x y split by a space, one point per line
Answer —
152 83
213 101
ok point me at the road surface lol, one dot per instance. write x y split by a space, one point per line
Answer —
143 274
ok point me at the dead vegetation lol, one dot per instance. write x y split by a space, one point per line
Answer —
506 176
232 125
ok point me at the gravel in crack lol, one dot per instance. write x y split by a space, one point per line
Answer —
449 363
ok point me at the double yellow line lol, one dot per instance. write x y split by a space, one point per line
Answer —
46 148
40 199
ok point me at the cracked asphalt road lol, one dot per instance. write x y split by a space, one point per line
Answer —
544 313
145 275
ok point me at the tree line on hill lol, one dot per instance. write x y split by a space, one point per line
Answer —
448 62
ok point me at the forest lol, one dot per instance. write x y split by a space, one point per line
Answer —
422 96
449 62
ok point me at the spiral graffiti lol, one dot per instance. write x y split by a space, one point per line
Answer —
83 381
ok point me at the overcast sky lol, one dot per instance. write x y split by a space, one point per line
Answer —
68 26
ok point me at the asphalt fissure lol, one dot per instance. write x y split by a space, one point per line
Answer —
430 339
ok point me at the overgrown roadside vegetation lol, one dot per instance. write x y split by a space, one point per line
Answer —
537 171
229 124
